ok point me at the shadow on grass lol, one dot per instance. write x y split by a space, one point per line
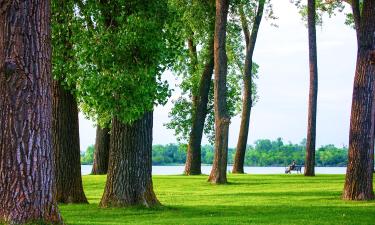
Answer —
247 199
223 214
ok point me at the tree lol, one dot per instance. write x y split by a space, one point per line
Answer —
129 179
359 174
121 61
358 182
65 124
195 24
248 86
26 153
219 168
200 102
313 95
199 90
192 114
101 154
67 163
193 160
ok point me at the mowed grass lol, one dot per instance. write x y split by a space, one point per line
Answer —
247 199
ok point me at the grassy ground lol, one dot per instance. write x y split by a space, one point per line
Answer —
248 199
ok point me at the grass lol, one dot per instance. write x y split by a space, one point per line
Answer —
248 199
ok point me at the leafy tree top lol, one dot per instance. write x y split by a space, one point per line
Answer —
122 49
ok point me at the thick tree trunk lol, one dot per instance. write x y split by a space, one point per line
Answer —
67 161
129 179
193 157
26 154
219 168
101 154
359 174
247 102
313 95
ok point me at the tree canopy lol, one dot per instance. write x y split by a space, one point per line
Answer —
122 51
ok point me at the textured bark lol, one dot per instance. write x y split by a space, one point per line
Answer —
218 173
313 95
67 160
239 159
26 154
101 154
129 181
193 157
359 174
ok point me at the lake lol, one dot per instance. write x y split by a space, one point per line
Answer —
173 170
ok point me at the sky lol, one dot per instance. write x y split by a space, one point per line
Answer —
283 85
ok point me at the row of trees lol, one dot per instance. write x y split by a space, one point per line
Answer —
360 144
359 176
108 57
262 153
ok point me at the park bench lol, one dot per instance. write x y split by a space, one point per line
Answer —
296 168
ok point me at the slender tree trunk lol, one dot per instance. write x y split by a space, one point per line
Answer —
26 154
247 102
313 95
359 174
219 168
101 154
193 158
67 161
129 179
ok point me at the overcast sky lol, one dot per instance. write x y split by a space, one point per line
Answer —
283 84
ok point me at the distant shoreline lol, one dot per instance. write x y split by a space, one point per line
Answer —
230 165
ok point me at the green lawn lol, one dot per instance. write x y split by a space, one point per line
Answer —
248 199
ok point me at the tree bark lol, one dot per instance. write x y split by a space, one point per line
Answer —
247 102
26 155
129 180
313 95
218 173
193 157
359 174
101 154
67 162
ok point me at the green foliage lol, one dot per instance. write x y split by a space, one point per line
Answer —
168 154
122 51
64 64
247 199
197 24
88 157
275 153
264 152
331 8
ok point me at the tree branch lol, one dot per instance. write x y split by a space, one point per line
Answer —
245 26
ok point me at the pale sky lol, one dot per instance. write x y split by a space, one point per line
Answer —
283 84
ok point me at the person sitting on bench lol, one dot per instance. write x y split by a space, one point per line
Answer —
291 167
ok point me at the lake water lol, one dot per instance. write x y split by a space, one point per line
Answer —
174 170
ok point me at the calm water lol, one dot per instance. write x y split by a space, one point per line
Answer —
173 170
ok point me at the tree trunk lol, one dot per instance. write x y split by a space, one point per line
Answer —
26 154
219 168
129 179
67 161
313 95
247 102
193 157
101 154
359 174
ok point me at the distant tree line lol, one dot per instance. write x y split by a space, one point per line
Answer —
264 152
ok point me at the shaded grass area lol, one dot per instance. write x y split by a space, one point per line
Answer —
247 199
